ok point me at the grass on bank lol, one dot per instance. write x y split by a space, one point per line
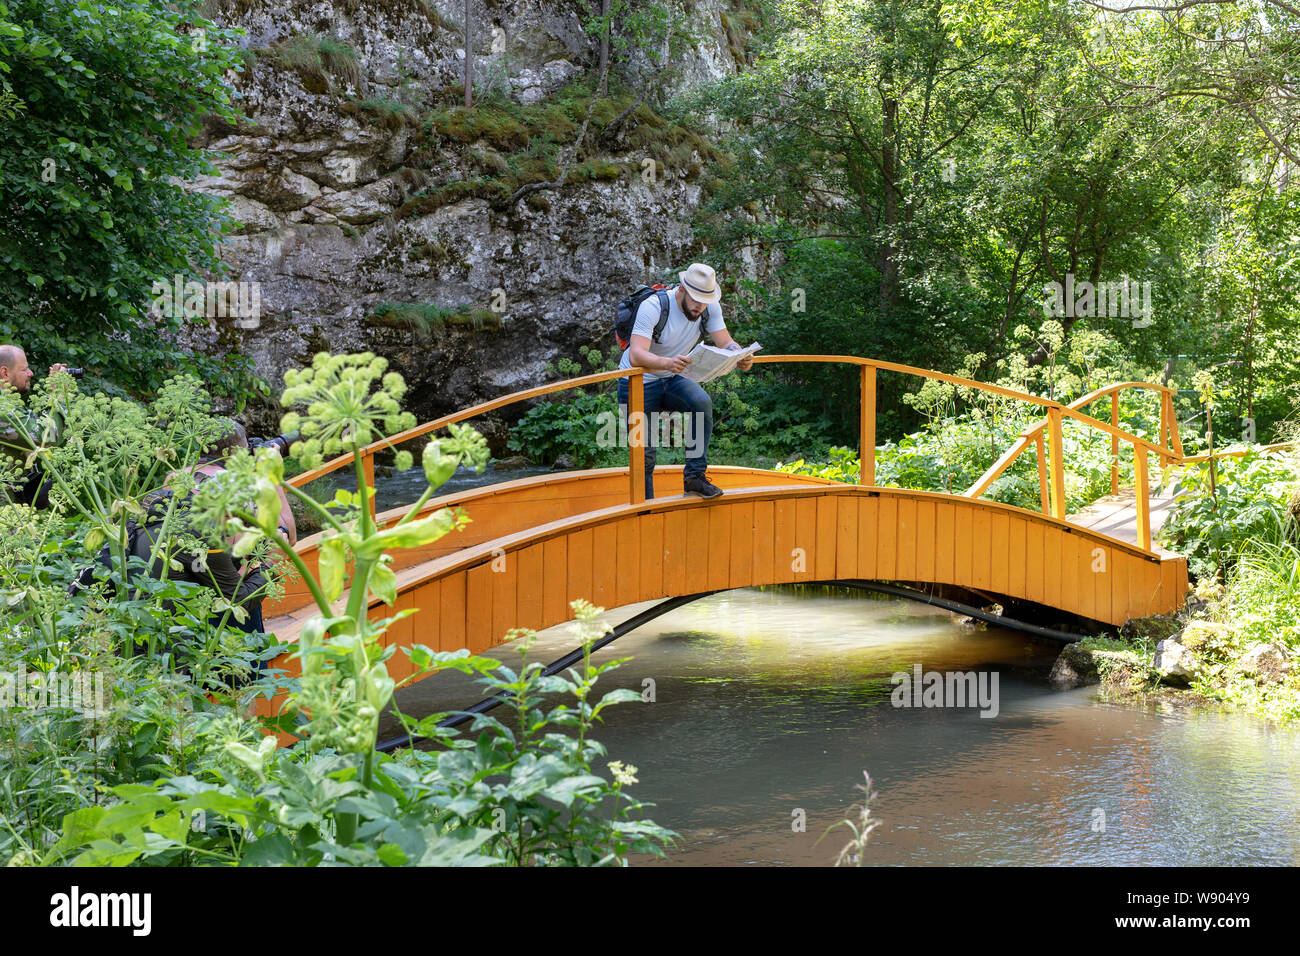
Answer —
423 317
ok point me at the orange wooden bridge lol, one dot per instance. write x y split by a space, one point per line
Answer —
535 544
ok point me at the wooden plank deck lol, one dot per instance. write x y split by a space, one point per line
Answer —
1116 516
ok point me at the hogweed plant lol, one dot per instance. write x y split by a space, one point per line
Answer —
76 602
520 795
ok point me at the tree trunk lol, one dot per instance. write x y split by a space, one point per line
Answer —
604 49
887 258
469 59
1250 362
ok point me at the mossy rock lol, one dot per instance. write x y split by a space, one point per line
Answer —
430 251
316 59
1122 672
487 123
1202 637
490 161
1074 667
450 194
424 317
596 169
388 114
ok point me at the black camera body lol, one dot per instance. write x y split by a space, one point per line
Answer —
282 442
75 372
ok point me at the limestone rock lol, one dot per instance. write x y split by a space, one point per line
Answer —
1176 663
1198 635
510 464
315 179
282 191
251 215
362 205
1266 662
532 86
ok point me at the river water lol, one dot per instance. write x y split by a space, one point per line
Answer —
769 705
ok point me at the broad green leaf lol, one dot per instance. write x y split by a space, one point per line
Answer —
268 506
383 582
246 543
331 567
413 534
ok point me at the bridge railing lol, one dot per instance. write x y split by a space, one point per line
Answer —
1051 493
636 402
1051 467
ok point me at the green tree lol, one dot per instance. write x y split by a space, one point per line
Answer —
93 173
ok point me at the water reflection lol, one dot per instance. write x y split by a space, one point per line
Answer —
770 701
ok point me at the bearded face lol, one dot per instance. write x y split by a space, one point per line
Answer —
14 371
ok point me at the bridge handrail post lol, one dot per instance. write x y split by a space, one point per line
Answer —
636 437
1114 444
1042 472
1058 463
1165 442
1143 495
867 427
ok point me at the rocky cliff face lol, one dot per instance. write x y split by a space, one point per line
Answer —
371 209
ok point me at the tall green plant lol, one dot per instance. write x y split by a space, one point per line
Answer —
98 156
526 796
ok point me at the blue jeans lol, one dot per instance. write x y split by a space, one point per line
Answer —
675 394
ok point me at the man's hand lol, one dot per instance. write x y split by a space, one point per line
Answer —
60 367
676 364
744 364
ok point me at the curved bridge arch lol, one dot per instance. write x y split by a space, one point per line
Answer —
781 533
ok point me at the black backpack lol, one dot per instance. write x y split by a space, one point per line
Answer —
155 505
627 313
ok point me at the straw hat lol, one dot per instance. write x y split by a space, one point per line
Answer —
701 283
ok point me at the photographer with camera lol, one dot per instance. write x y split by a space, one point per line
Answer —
19 442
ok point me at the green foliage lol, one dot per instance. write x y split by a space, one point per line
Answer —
164 652
760 416
172 776
918 172
527 794
105 456
568 428
97 157
965 430
569 424
1253 494
1260 605
316 59
423 317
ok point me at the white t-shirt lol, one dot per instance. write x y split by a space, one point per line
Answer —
680 334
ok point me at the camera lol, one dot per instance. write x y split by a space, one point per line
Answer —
75 372
282 442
